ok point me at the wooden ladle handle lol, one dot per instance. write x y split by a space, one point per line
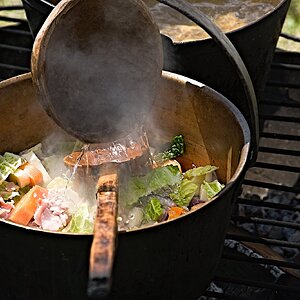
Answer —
105 232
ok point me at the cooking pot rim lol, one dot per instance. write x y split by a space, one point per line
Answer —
238 172
232 32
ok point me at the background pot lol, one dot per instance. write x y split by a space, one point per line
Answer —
204 61
174 260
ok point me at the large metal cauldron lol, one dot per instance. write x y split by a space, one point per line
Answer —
207 63
174 260
203 60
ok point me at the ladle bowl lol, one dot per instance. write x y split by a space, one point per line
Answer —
97 61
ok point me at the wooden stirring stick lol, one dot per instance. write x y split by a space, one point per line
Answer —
134 161
103 246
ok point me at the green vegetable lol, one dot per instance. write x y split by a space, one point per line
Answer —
140 186
176 149
197 175
200 171
81 221
9 163
21 193
210 189
161 177
185 193
9 190
5 171
153 210
13 161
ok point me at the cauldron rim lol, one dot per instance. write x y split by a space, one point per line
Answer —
229 185
228 33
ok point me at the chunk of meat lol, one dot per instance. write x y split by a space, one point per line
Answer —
51 213
5 208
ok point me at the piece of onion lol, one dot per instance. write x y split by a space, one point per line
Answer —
135 217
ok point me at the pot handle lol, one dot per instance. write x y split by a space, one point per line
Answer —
225 44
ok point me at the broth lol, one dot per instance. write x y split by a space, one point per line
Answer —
228 15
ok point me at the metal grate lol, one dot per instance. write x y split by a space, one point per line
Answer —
253 265
257 261
15 43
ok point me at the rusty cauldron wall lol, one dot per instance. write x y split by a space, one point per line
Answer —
203 60
174 260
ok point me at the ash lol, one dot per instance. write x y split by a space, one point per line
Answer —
272 231
240 248
239 289
266 231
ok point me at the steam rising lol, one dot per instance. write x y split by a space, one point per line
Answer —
102 65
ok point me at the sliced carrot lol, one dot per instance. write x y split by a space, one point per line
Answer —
35 175
20 177
174 212
26 207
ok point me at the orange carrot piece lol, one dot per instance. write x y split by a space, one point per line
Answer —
174 212
35 175
26 207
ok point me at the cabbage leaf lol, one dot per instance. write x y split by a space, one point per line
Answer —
9 163
153 210
184 194
157 179
81 222
197 175
210 189
14 161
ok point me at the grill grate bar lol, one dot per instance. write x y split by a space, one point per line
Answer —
15 48
290 37
279 118
267 204
278 136
279 151
261 240
284 66
225 296
263 261
280 103
277 167
258 283
11 67
12 7
283 84
14 20
15 31
257 220
272 186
